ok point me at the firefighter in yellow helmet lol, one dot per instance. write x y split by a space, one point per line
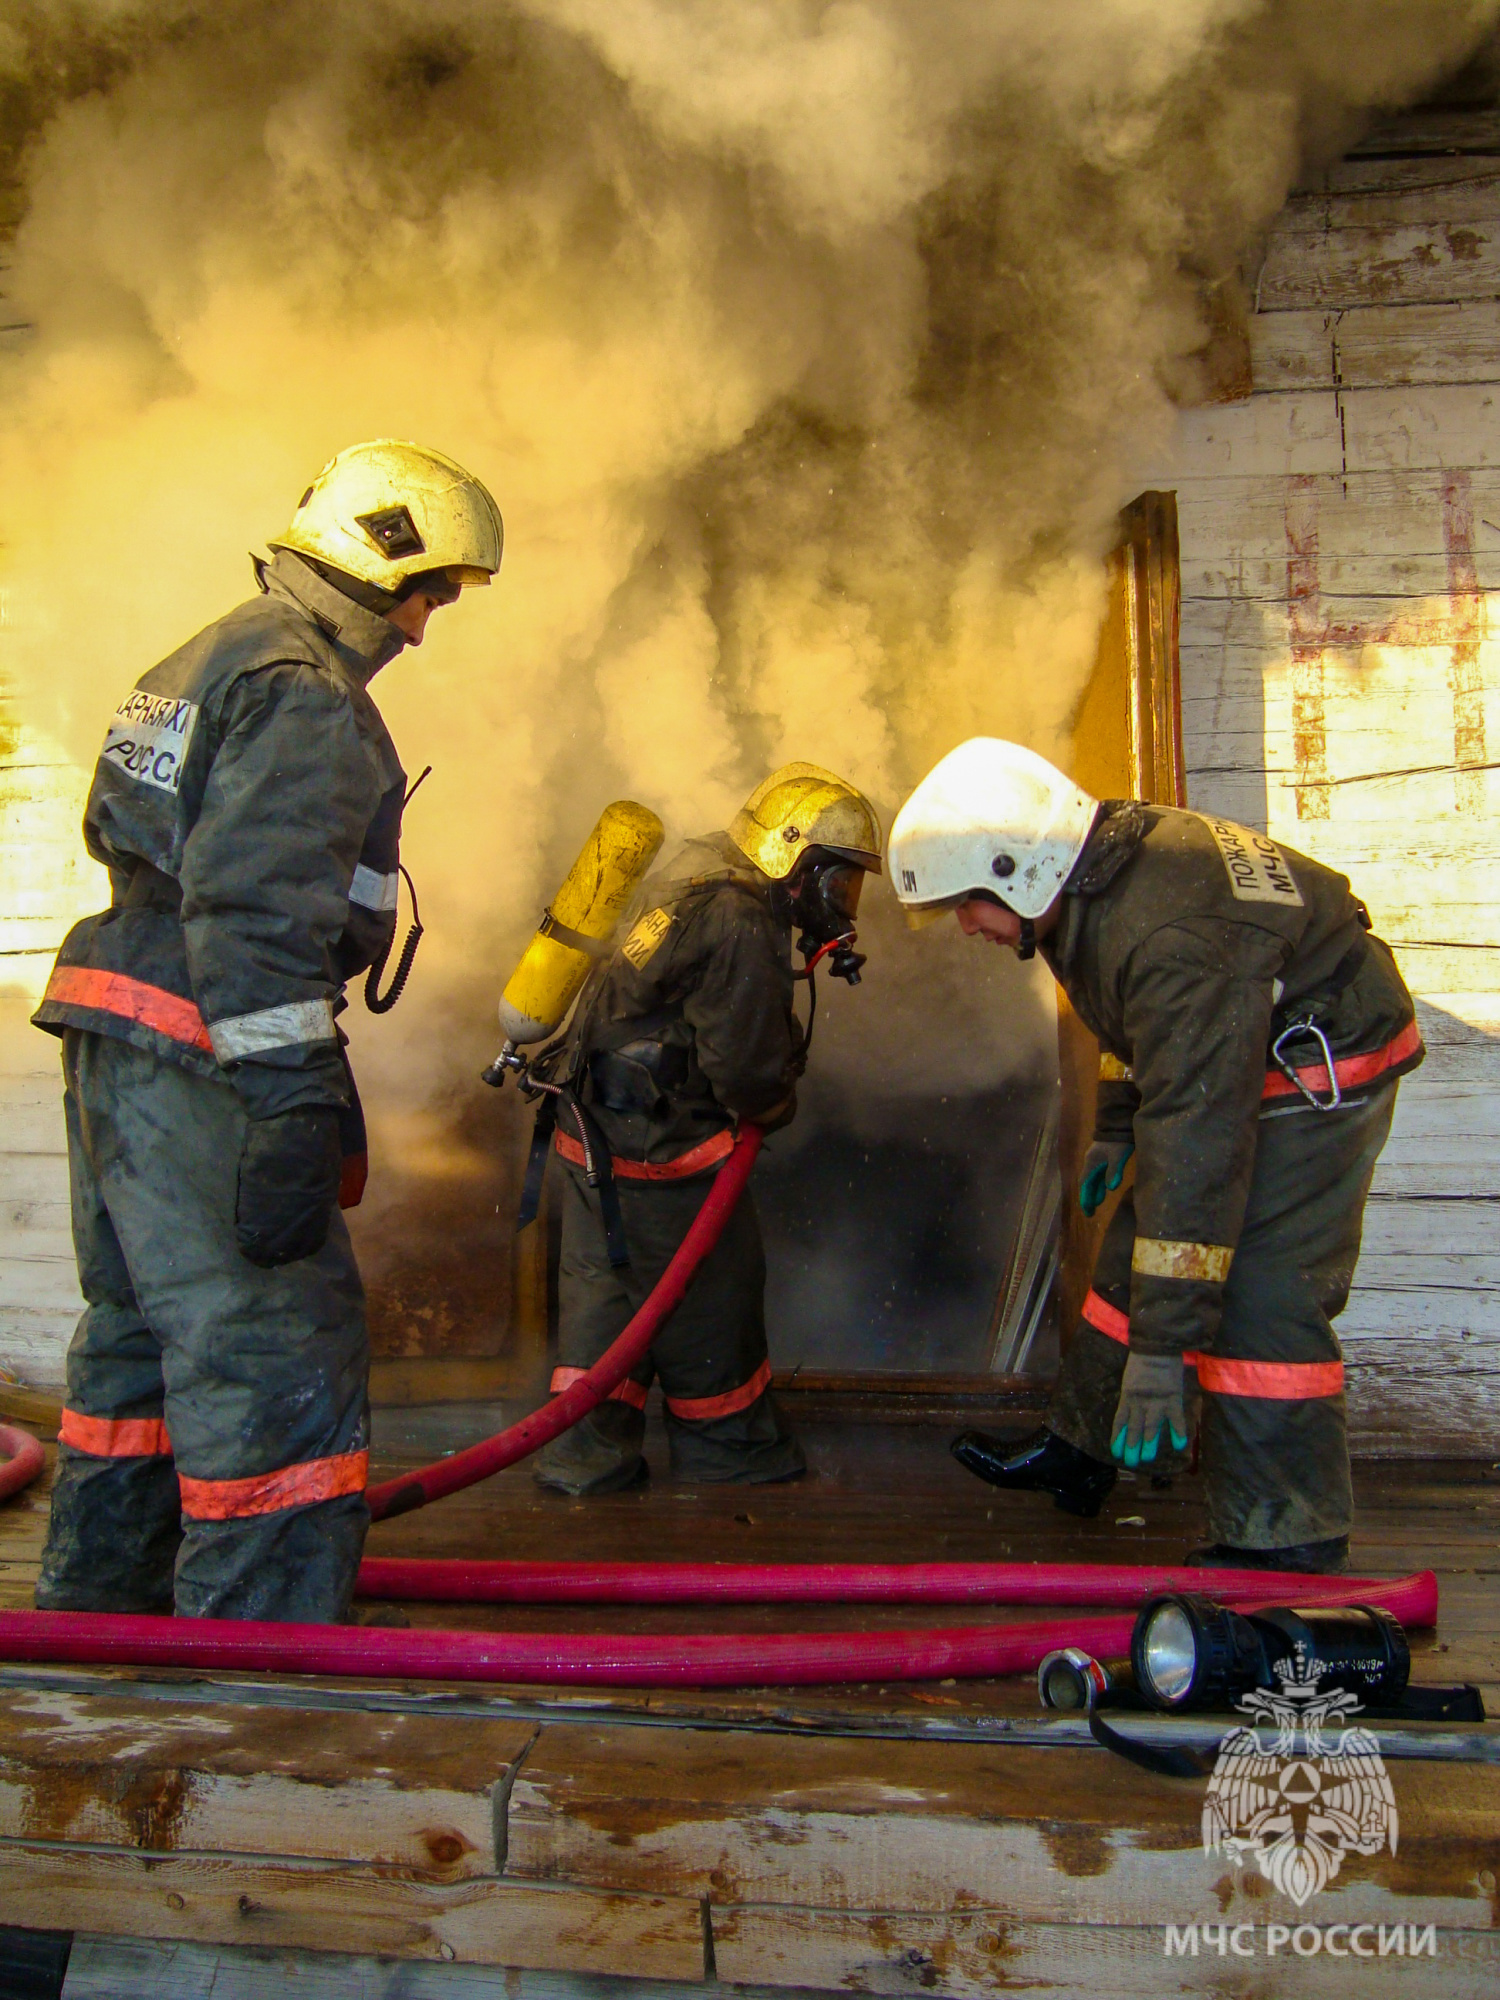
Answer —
247 803
688 1029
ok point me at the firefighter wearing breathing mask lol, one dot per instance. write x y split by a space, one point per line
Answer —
688 1029
1251 1031
247 803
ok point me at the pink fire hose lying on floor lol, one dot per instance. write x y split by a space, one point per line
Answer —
640 1660
464 1468
669 1660
1080 1585
24 1460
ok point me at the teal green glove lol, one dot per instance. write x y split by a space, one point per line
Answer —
1150 1402
1103 1170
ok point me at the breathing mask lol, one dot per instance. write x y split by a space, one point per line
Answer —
825 901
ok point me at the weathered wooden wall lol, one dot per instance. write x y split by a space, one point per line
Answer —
46 881
1340 537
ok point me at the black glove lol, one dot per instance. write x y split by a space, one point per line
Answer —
289 1182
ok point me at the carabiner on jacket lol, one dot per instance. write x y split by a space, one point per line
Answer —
1308 1026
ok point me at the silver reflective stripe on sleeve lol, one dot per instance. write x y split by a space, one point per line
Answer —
272 1028
372 891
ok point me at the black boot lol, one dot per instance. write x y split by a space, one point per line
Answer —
1041 1463
1306 1558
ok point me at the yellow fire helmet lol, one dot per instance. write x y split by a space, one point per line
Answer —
385 510
802 806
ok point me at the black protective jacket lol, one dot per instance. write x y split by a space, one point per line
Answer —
1186 944
247 804
690 1026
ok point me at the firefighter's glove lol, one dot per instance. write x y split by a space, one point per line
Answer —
288 1185
1103 1170
1150 1403
779 1115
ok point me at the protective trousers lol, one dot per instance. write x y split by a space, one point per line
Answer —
711 1357
214 1441
1274 1445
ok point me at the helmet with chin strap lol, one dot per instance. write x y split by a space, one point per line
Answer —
991 819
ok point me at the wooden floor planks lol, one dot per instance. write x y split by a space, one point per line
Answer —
252 1899
401 1790
814 1838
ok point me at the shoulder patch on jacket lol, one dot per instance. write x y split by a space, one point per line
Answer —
645 939
148 738
1256 867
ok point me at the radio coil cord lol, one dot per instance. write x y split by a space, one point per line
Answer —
375 1000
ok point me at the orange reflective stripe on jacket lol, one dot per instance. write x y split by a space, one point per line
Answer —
1275 1381
115 1437
1351 1071
708 1153
132 1000
1107 1319
270 1492
623 1392
700 1409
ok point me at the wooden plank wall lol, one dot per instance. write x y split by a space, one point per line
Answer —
1340 535
46 881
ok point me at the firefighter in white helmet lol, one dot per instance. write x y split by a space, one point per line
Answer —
247 803
1251 1031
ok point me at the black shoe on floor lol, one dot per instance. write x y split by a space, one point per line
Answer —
1041 1463
1306 1558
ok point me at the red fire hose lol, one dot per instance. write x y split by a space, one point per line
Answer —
464 1468
726 1659
1085 1585
24 1460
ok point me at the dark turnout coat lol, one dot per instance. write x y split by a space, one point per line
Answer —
688 1029
247 804
1187 945
691 1027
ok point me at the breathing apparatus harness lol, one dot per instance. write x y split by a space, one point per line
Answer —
554 1079
538 1082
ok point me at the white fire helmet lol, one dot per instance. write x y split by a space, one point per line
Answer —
990 816
387 510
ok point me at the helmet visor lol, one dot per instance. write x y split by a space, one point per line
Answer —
920 915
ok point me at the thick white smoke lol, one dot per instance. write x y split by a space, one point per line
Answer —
806 347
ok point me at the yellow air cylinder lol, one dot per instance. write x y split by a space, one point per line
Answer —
580 922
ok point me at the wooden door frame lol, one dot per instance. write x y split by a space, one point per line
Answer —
1127 743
